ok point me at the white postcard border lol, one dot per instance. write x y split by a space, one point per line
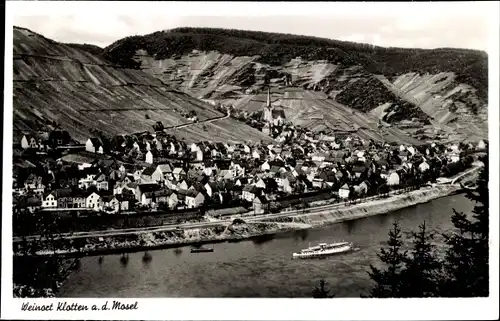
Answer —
254 309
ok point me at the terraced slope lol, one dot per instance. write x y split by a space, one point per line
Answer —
65 85
234 65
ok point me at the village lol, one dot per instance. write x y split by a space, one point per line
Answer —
156 172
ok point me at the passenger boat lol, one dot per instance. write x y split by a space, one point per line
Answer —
324 249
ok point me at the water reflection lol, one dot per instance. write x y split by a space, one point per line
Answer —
76 264
382 219
259 240
301 235
350 226
124 260
178 251
147 258
100 260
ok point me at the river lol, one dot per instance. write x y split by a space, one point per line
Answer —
257 268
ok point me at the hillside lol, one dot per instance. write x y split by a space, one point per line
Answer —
428 93
70 86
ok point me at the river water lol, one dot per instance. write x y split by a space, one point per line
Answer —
257 268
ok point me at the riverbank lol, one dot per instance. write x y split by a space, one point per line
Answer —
251 227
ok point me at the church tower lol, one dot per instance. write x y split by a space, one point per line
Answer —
268 109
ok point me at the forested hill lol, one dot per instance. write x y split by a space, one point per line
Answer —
470 66
440 93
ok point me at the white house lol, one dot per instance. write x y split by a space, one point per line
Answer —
423 166
194 199
393 179
183 185
454 157
49 201
94 145
29 141
162 172
265 166
94 201
260 184
149 157
344 191
481 144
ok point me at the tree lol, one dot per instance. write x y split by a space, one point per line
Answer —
389 281
322 292
422 272
466 266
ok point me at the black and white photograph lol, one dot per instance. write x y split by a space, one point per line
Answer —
165 150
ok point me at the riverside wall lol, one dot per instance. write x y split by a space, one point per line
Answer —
228 231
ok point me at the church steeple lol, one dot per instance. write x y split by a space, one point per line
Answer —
268 103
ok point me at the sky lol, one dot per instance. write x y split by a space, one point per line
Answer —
422 25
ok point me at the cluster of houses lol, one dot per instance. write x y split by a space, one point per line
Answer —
157 171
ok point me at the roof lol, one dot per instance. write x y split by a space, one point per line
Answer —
148 171
249 188
96 142
177 170
165 168
344 186
275 169
63 192
148 187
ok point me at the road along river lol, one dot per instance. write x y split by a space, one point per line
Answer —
260 267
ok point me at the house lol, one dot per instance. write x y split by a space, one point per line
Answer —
344 191
260 184
178 173
102 183
453 157
258 204
194 199
358 170
49 200
94 145
393 179
317 182
255 154
144 188
94 201
34 182
183 185
211 188
318 157
249 192
64 198
172 200
362 189
29 141
79 200
147 174
403 155
287 184
162 172
481 145
265 166
59 138
424 166
225 175
237 169
149 157
274 170
156 197
33 204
